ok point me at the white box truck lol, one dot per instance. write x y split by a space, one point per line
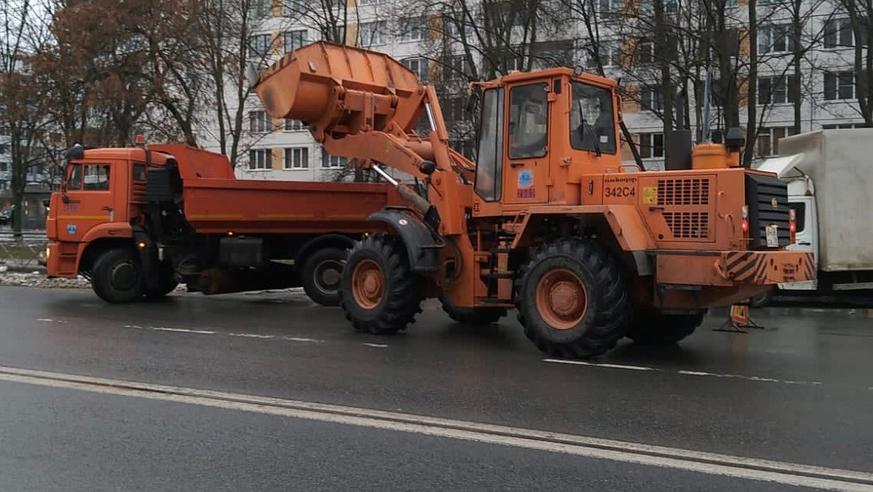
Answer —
830 187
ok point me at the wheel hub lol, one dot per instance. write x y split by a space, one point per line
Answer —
328 275
123 276
561 299
368 284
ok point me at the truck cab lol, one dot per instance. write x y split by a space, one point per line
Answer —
102 191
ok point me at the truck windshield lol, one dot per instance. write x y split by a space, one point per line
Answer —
591 123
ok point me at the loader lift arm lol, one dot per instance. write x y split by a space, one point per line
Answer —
363 106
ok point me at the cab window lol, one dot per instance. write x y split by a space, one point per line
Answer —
95 177
489 162
592 126
74 179
528 121
799 215
139 172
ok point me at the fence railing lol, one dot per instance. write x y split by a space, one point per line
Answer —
24 251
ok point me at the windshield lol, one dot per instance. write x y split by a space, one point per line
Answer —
591 122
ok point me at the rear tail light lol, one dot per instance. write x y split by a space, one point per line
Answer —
792 226
745 221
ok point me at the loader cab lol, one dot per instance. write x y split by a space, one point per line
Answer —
539 131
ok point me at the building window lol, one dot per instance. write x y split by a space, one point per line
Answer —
294 40
842 126
775 39
4 166
294 125
609 53
259 45
418 66
372 33
651 98
412 28
768 140
259 9
646 52
777 90
608 8
839 85
651 145
332 162
259 159
297 158
259 122
838 33
457 68
455 108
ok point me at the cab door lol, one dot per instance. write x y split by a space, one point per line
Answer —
86 200
526 163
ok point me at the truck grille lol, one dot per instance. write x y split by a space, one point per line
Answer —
767 198
687 191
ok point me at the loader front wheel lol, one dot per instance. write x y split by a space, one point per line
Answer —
378 292
573 299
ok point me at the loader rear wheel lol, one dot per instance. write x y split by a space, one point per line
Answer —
472 316
573 299
117 276
651 326
321 275
378 292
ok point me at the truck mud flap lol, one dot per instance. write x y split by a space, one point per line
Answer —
421 243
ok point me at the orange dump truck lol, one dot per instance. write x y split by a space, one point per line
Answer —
138 221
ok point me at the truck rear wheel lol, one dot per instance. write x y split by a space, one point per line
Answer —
379 294
472 316
573 299
322 274
654 327
117 276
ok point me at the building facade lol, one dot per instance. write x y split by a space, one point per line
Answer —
798 90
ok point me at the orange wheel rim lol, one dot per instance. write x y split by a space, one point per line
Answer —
368 284
561 299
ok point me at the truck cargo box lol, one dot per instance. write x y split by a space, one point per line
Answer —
840 163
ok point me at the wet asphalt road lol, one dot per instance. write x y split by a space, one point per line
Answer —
799 391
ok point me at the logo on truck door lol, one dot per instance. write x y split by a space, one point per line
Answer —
525 184
71 229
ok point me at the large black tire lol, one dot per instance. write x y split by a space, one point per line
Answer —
651 326
379 294
166 285
321 275
117 276
561 325
472 316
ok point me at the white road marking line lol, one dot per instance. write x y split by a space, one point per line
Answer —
376 345
250 335
45 320
304 340
629 452
595 364
181 330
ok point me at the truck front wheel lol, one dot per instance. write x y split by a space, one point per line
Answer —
321 275
117 276
379 294
651 326
573 299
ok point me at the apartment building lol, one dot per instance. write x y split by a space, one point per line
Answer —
419 38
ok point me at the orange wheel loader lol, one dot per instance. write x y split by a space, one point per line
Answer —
547 219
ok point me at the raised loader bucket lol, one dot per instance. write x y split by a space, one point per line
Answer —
302 84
